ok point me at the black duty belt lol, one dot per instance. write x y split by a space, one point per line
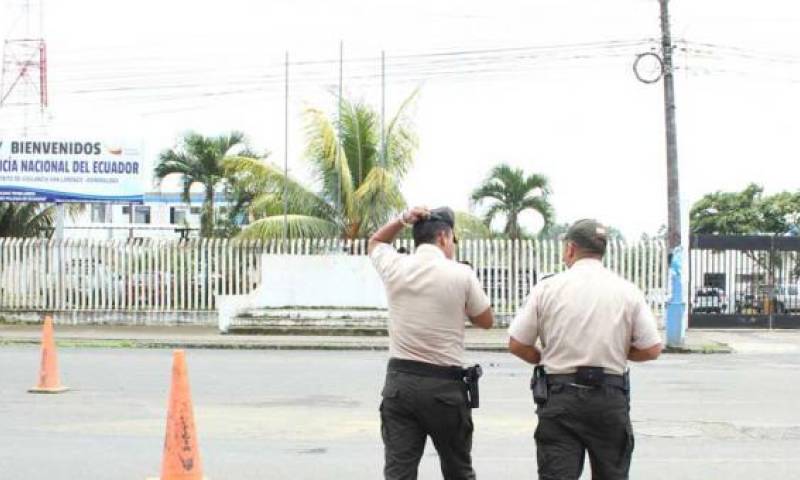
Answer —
468 375
423 369
572 379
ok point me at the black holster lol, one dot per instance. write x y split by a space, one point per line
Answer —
539 385
471 376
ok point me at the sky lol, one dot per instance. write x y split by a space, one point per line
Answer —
565 103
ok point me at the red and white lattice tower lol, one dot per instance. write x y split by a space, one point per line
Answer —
23 82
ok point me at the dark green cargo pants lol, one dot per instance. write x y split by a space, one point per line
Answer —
577 420
415 407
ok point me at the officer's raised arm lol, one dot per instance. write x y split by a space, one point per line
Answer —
387 233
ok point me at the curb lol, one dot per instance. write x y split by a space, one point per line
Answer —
711 348
309 331
166 344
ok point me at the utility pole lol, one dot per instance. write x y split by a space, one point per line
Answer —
340 145
676 306
673 186
286 156
383 109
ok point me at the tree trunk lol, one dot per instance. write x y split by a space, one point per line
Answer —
513 243
207 217
513 227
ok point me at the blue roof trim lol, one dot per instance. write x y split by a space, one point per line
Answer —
14 193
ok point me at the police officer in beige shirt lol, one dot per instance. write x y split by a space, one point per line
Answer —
588 323
427 392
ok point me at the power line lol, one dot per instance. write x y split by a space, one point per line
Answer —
200 86
419 66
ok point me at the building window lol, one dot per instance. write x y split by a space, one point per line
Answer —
195 210
177 216
141 215
99 213
126 210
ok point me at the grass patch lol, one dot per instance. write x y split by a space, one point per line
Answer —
708 348
96 343
72 343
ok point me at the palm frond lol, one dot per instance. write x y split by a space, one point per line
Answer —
299 226
265 184
401 141
542 207
331 166
226 143
25 219
492 212
376 200
172 162
537 182
490 189
360 139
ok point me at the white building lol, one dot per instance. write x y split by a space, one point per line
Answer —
162 215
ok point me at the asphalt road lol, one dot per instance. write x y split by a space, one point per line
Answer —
314 415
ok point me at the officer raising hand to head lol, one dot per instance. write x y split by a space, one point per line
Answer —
589 322
427 392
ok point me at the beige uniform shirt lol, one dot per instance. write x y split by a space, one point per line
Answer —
586 316
429 298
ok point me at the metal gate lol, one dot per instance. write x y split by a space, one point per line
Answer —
744 282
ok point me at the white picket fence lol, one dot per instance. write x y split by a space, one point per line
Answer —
155 275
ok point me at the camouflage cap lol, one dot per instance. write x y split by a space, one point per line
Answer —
588 234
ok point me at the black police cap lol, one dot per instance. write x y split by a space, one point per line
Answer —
443 214
588 234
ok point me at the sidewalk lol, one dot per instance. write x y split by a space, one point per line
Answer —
697 341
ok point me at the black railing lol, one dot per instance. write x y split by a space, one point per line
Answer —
744 282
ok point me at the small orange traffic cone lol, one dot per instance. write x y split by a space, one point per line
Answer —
48 372
181 454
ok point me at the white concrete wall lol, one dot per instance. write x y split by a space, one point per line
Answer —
319 281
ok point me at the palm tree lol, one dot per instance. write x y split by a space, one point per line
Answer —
200 159
511 193
31 219
25 219
358 187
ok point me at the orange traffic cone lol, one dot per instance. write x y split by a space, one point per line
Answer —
181 455
48 372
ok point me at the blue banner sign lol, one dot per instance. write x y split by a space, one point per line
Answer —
75 170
